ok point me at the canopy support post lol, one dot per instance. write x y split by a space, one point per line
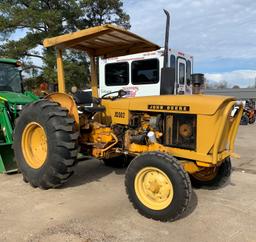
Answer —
94 79
60 70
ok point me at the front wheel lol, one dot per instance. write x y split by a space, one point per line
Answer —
212 177
157 186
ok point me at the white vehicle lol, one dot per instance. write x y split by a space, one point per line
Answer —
140 74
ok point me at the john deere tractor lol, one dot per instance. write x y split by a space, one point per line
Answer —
174 140
12 100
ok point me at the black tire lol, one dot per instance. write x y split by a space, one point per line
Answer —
174 171
223 173
61 144
121 161
244 120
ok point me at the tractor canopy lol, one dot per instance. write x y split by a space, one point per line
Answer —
106 40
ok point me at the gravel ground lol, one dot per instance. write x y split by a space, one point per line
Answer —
93 206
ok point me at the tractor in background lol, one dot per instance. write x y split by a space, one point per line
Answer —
12 100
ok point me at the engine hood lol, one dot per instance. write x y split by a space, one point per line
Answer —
17 98
194 104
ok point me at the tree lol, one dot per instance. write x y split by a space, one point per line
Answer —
235 87
39 19
216 85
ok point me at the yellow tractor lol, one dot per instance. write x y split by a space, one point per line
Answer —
173 140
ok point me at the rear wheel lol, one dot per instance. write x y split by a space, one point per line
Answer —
45 144
214 176
157 186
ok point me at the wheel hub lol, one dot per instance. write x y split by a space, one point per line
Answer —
206 174
153 188
34 145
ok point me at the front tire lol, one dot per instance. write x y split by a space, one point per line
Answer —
157 186
45 144
212 177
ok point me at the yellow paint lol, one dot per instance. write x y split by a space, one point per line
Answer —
205 164
66 101
222 132
190 167
94 79
153 188
111 145
34 145
4 99
236 156
60 72
234 129
100 134
120 116
100 150
105 40
216 130
198 104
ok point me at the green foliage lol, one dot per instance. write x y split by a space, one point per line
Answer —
40 19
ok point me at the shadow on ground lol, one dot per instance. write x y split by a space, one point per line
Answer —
191 206
90 171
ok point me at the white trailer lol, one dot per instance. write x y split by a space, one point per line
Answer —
140 74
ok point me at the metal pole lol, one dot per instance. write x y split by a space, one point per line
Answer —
60 72
166 42
94 81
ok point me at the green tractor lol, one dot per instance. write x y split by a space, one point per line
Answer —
12 100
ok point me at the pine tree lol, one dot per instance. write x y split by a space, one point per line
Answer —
40 19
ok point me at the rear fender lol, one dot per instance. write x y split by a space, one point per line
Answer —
66 101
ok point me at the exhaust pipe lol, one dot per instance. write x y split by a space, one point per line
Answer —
166 42
167 85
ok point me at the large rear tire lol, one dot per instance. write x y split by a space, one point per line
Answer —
45 144
157 186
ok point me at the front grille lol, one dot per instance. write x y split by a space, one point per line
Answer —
180 131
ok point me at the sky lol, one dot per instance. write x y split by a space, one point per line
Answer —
221 35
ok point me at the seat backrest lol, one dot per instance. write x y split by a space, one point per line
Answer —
81 97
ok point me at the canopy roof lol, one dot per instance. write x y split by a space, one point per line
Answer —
106 40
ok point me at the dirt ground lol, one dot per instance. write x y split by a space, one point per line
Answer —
93 206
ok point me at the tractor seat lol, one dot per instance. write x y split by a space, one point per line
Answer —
83 98
87 103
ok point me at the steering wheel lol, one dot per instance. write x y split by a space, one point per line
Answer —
119 93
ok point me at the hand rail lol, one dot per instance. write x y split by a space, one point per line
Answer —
221 130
